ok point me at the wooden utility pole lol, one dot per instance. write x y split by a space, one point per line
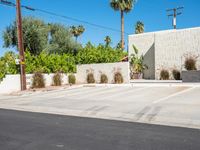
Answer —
21 46
174 15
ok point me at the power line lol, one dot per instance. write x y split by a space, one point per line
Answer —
8 3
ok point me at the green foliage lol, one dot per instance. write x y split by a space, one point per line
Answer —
100 54
9 59
90 78
39 36
137 62
61 41
8 65
50 63
72 79
164 74
118 78
107 41
57 79
190 62
139 27
176 74
122 5
35 35
104 78
38 80
77 31
2 69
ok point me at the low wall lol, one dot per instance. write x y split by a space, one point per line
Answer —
11 83
105 68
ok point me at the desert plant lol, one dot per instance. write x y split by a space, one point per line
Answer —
118 78
72 79
164 74
57 79
137 62
90 78
176 74
190 63
38 80
104 78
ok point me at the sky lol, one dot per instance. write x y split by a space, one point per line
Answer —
151 12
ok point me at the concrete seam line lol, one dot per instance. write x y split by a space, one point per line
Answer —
173 95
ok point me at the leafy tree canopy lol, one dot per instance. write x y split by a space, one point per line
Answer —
39 36
99 54
122 5
139 27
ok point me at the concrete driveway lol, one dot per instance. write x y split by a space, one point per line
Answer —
165 105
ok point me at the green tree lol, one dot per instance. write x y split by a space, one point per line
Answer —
39 36
35 35
139 27
107 40
77 31
60 40
122 6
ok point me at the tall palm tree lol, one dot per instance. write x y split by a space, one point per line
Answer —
107 40
139 27
77 31
122 6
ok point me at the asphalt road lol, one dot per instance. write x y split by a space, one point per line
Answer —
35 131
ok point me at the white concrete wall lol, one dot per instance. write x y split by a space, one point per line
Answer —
107 68
11 83
169 49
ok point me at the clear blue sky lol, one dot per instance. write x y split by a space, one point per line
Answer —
152 13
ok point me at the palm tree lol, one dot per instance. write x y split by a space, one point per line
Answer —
77 31
107 40
122 6
139 27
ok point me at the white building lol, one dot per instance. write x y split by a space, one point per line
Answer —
166 49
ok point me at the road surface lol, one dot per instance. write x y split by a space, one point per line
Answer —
36 131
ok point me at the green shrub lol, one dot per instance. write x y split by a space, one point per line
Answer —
90 78
176 74
99 54
164 74
190 63
52 63
57 79
72 79
104 78
38 80
118 78
2 70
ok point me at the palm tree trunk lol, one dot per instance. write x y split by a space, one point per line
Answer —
122 29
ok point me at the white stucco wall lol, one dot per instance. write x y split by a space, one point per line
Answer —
107 68
169 49
11 83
